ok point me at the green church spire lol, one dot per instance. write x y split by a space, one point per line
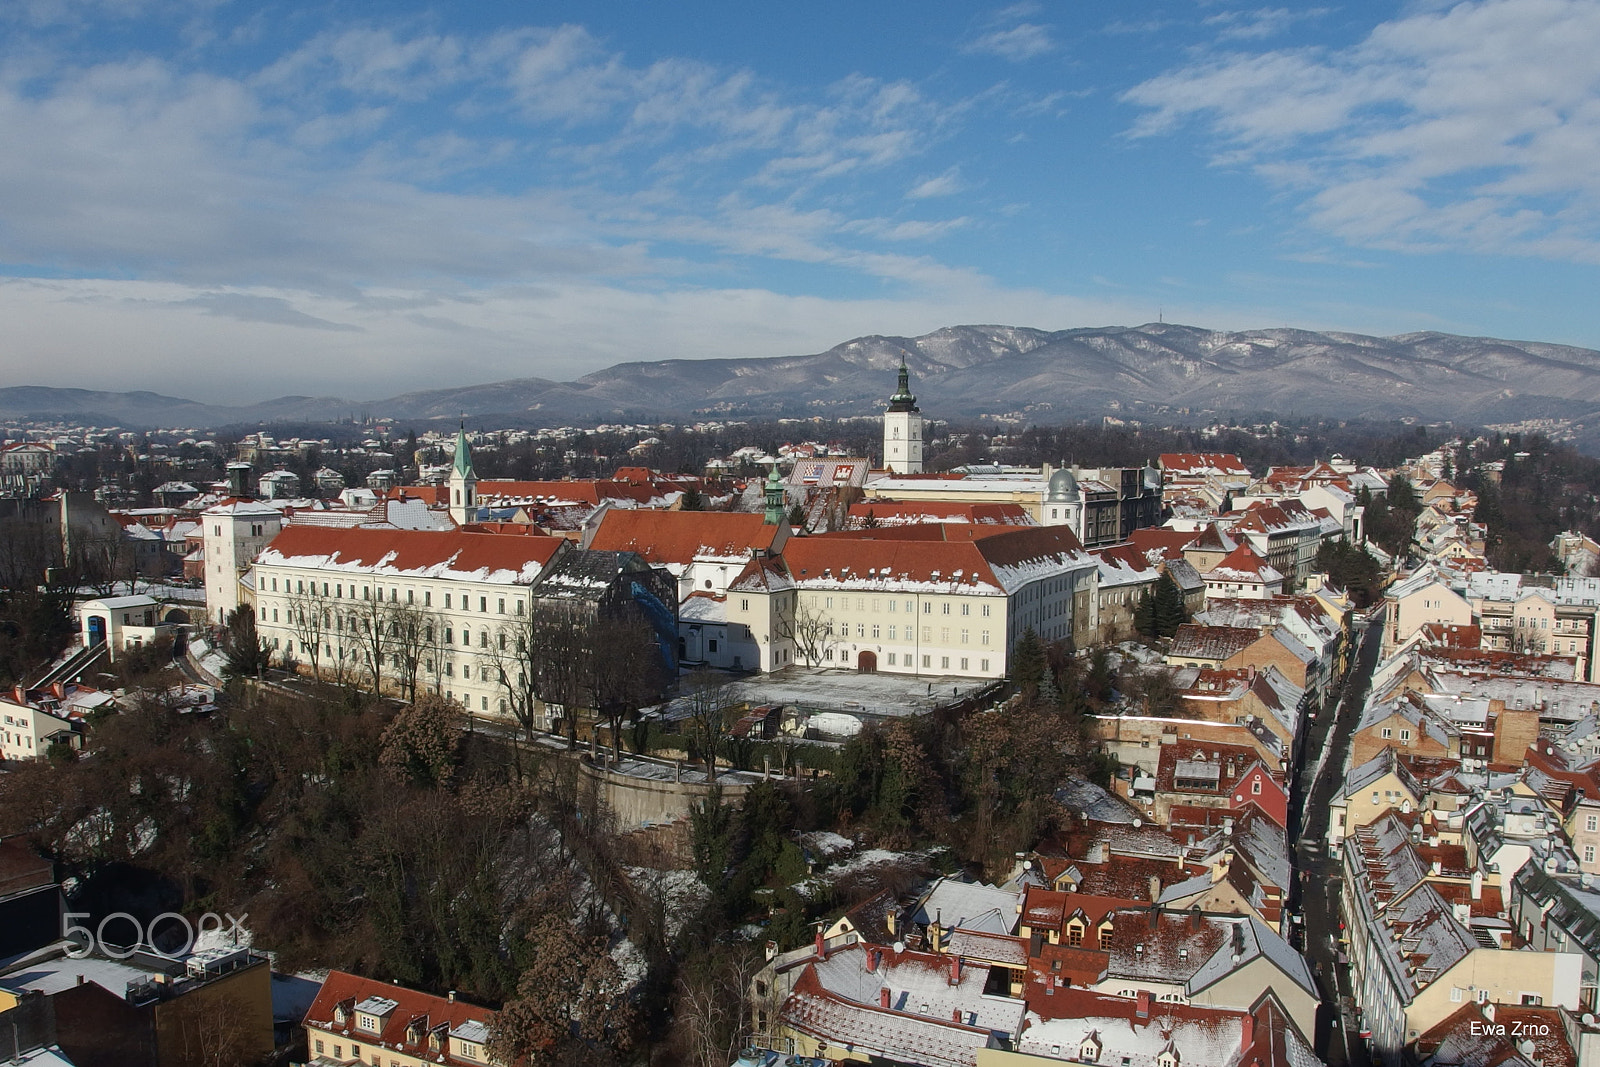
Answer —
463 463
902 399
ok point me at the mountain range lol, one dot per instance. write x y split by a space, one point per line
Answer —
1182 373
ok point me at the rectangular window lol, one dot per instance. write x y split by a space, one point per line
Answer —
927 633
927 661
427 598
891 631
984 638
965 637
483 604
447 600
827 602
744 604
892 604
910 608
927 607
986 611
861 629
966 609
963 663
983 665
944 609
1588 853
891 659
502 608
1386 733
1591 823
874 630
944 663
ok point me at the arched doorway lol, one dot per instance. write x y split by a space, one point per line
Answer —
97 630
867 663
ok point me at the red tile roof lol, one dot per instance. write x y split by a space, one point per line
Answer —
683 536
1200 464
906 512
965 558
481 557
348 990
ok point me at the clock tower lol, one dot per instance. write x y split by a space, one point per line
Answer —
902 429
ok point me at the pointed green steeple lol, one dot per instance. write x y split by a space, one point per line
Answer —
463 463
774 515
902 399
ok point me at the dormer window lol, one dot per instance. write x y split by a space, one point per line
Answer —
1089 1051
1168 1057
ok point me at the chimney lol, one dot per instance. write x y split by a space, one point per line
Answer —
1477 885
955 970
872 960
883 997
1155 888
955 1016
1049 985
452 996
1247 1034
1196 922
1142 1010
892 918
936 934
821 945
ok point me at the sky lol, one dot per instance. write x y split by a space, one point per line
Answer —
233 201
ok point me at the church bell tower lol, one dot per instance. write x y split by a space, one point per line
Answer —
902 429
463 483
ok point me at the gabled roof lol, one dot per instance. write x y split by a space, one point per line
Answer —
453 554
1243 565
1002 562
1219 643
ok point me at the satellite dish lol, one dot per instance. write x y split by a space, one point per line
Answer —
1137 822
899 947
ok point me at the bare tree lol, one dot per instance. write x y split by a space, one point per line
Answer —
310 620
709 698
626 670
543 657
99 563
370 623
412 632
808 628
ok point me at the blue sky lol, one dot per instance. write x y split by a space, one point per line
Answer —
233 201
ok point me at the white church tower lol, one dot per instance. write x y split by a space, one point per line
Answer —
463 483
902 429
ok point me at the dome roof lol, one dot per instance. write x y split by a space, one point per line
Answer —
1063 488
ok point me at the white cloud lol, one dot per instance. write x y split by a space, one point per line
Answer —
1017 43
945 184
1259 24
128 334
1005 34
1475 128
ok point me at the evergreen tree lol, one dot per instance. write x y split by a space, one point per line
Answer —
1169 610
1028 661
1144 615
797 516
246 654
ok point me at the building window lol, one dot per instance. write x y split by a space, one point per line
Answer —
891 659
744 604
944 663
1591 823
1255 787
983 665
963 663
927 661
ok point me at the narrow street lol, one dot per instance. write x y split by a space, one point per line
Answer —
1316 897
